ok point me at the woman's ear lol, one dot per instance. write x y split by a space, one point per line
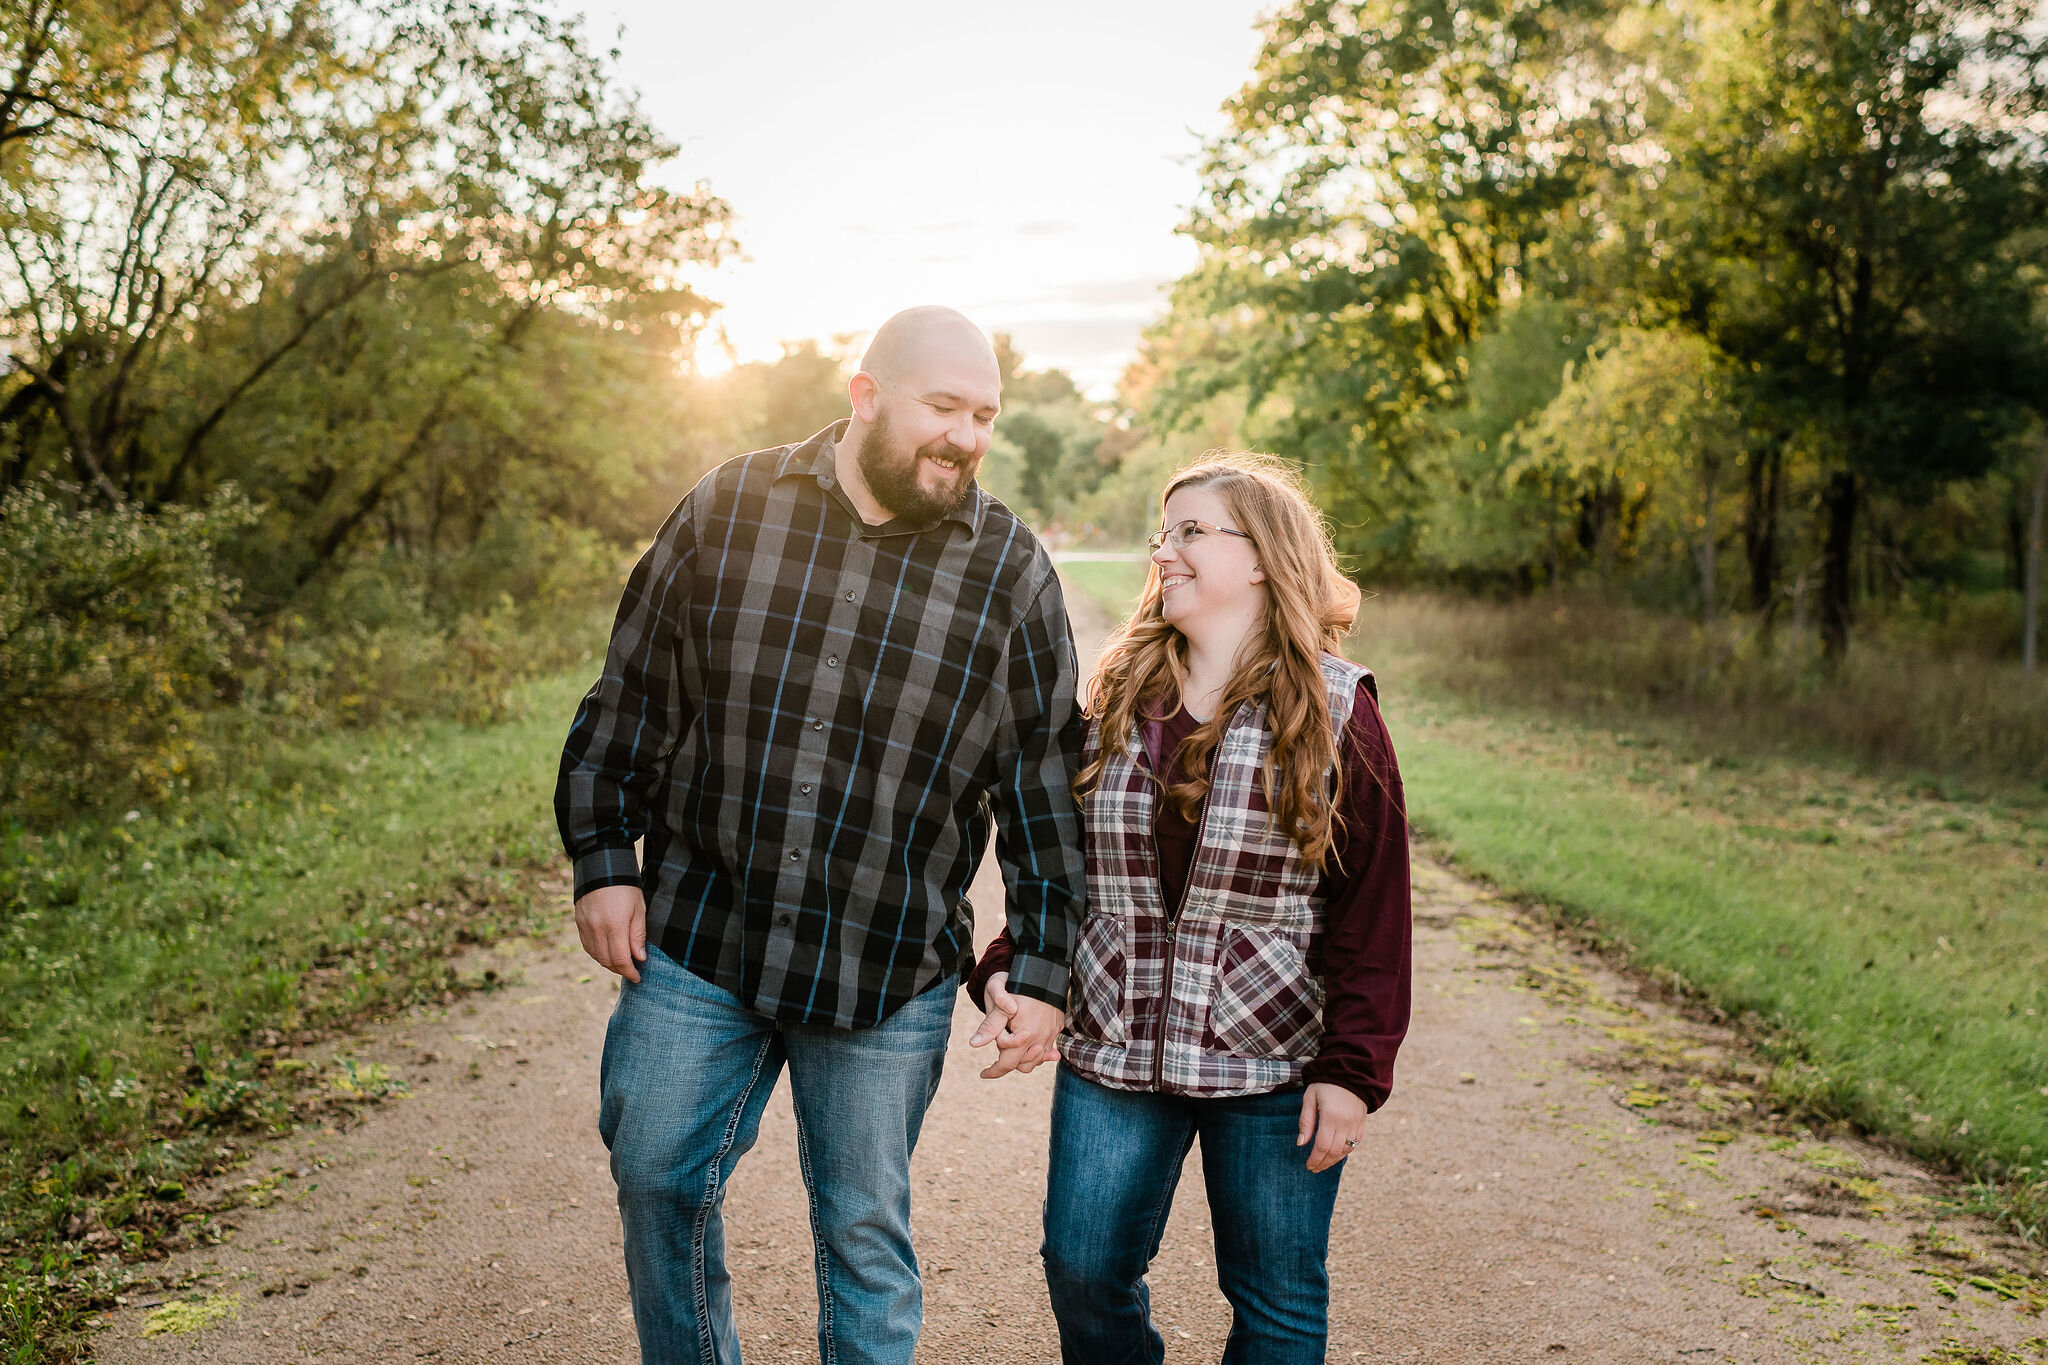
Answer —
1258 573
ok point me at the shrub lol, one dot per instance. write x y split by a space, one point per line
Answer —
390 636
115 633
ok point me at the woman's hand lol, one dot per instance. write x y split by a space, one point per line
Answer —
995 1016
1020 1044
1335 1118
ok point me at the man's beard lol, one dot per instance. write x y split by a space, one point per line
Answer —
893 477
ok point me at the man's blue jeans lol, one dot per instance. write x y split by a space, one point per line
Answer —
1116 1158
687 1073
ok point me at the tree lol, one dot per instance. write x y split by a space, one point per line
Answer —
1835 211
2037 513
392 197
1391 176
1644 434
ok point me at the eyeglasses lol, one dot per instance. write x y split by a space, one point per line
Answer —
1186 534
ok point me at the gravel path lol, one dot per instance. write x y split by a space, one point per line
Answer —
1568 1171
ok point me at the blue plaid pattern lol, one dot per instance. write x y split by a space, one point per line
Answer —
815 724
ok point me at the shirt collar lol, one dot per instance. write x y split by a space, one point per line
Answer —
815 457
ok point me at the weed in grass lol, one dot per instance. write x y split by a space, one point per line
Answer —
2018 1204
190 1315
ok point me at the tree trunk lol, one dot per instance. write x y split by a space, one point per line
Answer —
1836 575
1709 553
2030 647
2016 540
1760 524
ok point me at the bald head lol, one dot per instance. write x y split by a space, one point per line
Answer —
928 342
924 411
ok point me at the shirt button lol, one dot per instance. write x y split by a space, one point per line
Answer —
817 725
782 920
795 855
849 597
805 789
832 662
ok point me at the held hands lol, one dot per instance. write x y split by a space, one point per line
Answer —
1335 1118
612 922
1022 1029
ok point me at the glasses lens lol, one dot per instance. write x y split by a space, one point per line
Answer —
1155 540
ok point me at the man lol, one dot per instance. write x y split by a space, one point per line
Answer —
838 664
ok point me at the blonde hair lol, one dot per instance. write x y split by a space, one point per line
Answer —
1310 607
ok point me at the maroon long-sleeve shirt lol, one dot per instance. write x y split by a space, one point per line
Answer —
1365 945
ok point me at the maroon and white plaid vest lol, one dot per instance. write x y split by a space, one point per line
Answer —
1227 999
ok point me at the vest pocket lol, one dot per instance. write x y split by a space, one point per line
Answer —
1097 995
1266 1004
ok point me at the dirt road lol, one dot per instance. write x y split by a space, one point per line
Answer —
1568 1171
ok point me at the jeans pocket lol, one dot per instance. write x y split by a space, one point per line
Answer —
1267 1003
1098 973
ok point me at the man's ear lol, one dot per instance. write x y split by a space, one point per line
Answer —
865 392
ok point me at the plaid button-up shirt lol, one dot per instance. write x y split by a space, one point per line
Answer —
815 723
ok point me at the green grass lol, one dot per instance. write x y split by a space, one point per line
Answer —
156 973
1112 583
1891 949
1887 946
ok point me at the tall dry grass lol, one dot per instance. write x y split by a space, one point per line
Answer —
1894 703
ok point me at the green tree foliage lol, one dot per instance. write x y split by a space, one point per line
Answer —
1839 211
1491 515
1052 447
1391 175
379 206
1800 243
402 272
115 634
1641 441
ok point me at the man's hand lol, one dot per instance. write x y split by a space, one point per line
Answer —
612 922
1335 1118
1025 1031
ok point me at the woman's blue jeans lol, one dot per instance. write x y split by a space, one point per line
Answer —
687 1073
1116 1158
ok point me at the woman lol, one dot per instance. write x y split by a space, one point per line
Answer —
1242 975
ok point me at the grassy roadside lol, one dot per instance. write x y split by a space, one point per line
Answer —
1888 947
165 982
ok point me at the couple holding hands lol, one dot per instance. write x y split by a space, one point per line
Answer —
838 669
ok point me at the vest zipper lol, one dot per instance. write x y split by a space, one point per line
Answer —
1173 921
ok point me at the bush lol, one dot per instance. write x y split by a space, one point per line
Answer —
115 633
393 637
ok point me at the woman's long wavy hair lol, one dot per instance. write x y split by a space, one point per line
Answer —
1310 607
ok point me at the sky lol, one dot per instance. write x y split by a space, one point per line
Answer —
1025 163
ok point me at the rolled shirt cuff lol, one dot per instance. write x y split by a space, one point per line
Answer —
602 867
1038 977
